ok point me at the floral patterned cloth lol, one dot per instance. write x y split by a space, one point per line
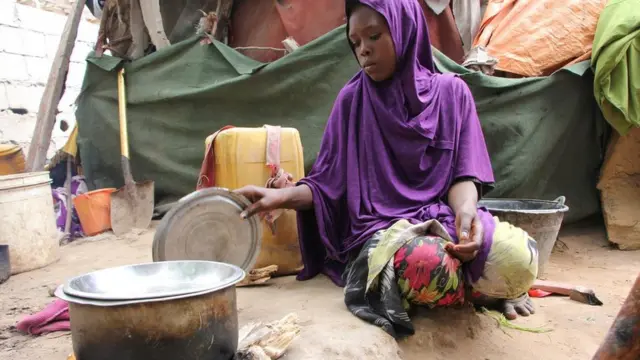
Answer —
427 274
400 266
407 265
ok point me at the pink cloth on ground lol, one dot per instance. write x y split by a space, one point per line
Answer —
54 317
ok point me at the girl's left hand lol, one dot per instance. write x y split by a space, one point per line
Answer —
470 235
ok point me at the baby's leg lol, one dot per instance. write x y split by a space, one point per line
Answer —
510 270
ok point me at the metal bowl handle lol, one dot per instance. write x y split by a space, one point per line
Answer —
560 200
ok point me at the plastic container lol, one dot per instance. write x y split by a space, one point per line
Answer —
541 219
28 221
11 159
5 263
240 160
94 210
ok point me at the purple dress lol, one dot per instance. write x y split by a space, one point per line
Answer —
392 151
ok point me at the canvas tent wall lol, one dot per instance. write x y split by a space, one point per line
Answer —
545 135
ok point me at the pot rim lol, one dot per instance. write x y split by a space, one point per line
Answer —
69 291
60 294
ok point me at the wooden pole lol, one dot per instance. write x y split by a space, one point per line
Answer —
223 12
66 237
46 119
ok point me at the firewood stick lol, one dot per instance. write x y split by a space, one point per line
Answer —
259 276
46 119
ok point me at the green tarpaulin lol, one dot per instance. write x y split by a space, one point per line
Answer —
544 134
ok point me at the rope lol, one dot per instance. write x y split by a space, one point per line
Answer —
259 48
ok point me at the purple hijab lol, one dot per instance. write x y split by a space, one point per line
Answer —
391 151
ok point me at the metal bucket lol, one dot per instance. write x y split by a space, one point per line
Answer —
542 219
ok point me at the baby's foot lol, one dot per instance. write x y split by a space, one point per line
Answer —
522 305
510 308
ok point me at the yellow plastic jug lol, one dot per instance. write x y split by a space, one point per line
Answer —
240 160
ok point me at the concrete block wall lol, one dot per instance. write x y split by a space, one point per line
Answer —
29 39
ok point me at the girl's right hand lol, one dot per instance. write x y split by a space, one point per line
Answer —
262 199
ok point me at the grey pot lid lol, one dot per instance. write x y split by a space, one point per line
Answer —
206 225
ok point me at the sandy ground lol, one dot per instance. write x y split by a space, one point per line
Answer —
330 332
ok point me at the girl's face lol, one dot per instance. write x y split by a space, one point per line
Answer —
371 40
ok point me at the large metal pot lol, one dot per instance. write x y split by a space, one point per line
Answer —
200 325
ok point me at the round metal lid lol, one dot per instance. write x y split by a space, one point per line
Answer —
206 225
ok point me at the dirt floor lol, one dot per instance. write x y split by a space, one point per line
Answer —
330 332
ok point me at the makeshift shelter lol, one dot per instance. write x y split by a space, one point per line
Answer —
258 27
545 135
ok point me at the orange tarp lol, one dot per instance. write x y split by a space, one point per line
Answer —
538 37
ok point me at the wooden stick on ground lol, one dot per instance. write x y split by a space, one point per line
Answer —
259 276
53 91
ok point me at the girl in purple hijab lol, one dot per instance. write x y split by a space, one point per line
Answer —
389 209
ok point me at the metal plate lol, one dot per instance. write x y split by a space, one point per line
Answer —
154 280
206 225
